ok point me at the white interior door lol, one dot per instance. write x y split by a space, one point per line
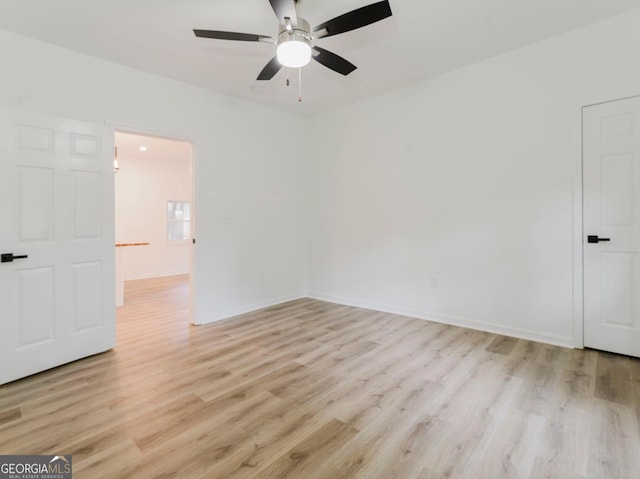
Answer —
56 191
611 175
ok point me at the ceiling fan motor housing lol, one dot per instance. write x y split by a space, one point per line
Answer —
299 33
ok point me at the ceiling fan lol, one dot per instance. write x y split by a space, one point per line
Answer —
295 46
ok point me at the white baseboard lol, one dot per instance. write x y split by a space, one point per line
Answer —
563 341
153 275
249 308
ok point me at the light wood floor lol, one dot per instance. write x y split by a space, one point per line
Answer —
313 390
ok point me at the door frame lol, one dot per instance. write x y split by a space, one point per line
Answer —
578 209
137 130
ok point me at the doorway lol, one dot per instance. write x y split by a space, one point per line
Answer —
611 226
154 220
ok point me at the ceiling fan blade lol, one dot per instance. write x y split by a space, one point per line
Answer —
285 9
244 37
333 61
358 18
270 70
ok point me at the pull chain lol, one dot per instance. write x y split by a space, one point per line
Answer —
287 77
299 85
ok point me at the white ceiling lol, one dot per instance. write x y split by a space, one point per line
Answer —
157 149
422 39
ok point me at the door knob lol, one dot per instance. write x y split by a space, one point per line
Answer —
596 239
9 257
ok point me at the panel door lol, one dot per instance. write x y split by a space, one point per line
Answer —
56 192
611 169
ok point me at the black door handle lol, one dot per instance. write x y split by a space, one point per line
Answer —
9 257
595 239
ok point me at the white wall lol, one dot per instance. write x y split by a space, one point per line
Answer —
258 259
143 186
452 199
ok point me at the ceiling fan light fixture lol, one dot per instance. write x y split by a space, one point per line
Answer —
294 53
294 44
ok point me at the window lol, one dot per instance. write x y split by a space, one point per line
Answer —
178 220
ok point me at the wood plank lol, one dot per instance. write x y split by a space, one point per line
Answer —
613 448
502 345
306 456
10 415
613 379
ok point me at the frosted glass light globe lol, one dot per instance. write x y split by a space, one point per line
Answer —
294 53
